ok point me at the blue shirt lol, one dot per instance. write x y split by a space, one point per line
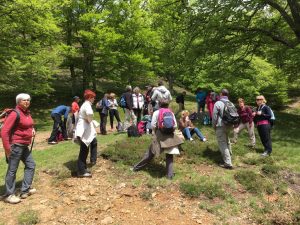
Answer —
200 96
61 110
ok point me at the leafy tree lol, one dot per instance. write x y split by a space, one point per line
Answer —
29 53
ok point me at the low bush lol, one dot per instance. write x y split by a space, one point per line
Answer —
253 182
209 188
28 217
128 151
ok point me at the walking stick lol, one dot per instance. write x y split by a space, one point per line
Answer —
32 142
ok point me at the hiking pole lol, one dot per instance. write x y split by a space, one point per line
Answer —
32 142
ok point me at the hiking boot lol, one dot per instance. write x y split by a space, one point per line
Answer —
12 199
27 194
226 166
85 175
52 142
265 154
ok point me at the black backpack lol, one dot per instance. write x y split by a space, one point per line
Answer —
230 114
132 131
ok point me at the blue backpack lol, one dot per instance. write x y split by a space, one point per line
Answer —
166 121
123 101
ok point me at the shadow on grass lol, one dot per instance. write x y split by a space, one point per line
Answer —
72 166
155 170
214 156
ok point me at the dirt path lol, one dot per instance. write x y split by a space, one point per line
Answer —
98 201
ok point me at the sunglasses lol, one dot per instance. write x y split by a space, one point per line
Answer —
258 99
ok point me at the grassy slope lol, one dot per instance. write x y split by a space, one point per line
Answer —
243 192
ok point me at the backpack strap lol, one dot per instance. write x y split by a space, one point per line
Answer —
15 124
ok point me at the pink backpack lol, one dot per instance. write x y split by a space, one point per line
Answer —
166 121
141 127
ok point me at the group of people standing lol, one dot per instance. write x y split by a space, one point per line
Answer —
261 117
18 131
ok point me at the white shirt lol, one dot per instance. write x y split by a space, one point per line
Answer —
137 99
85 129
112 104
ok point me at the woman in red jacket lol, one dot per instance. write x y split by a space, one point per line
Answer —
17 133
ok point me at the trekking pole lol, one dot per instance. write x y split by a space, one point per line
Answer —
32 142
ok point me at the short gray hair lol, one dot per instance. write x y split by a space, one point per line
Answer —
128 88
22 96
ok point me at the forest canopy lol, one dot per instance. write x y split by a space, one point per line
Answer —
248 46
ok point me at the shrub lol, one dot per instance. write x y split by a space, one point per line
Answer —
253 182
127 151
28 217
270 170
208 188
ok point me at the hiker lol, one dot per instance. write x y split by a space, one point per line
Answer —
161 142
148 108
129 114
103 107
200 98
246 121
113 111
17 133
222 130
262 118
187 127
71 121
180 102
138 103
210 102
75 109
160 93
56 115
85 133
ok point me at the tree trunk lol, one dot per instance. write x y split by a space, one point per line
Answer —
170 78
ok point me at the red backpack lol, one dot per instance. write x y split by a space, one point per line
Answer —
166 121
3 116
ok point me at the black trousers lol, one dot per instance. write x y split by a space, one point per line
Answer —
58 123
264 132
83 153
113 113
138 114
103 122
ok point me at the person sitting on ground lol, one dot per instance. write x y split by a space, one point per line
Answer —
113 111
160 93
246 121
56 115
161 142
85 133
17 133
187 127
